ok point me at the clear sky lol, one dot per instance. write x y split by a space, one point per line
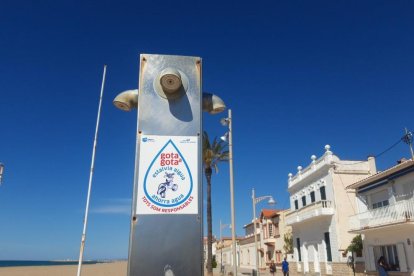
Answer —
297 74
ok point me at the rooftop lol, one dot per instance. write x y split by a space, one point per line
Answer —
405 164
269 213
320 166
266 213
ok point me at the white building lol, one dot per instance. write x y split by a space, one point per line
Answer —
205 248
271 236
224 252
320 208
247 248
385 218
270 229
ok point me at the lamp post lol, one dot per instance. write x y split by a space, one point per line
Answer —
228 121
408 139
256 200
222 226
1 172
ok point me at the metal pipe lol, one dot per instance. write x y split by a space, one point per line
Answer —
85 221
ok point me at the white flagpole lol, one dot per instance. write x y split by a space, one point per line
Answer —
85 221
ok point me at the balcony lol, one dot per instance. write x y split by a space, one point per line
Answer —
270 239
316 165
311 211
401 212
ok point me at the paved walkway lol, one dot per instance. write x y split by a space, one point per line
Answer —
247 272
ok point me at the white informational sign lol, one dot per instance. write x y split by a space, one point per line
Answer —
168 175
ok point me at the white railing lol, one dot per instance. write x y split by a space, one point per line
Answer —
314 166
323 207
402 211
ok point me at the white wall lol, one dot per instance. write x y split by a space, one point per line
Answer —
247 256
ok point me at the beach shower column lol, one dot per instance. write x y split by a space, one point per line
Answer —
166 226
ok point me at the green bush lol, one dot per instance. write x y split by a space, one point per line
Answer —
214 262
356 245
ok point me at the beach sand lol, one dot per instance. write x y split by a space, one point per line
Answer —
106 269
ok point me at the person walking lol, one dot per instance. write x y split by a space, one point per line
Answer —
285 267
272 268
382 267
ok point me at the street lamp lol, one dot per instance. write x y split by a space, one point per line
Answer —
228 122
1 172
222 226
256 200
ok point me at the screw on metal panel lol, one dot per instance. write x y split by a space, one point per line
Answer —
198 134
134 218
198 61
140 131
144 59
168 271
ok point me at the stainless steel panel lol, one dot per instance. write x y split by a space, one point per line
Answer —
158 116
168 242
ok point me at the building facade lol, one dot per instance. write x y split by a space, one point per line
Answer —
270 227
224 251
271 236
385 218
205 248
247 248
320 208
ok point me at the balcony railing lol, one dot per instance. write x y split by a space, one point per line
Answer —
271 238
314 166
315 209
400 212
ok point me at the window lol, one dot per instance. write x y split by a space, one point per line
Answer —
269 254
323 193
380 204
296 204
278 257
379 199
248 254
312 195
328 247
303 201
270 230
390 254
298 248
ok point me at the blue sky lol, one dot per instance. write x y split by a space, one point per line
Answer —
297 75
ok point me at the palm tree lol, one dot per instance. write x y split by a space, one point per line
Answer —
213 153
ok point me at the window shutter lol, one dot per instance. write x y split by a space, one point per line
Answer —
401 257
370 264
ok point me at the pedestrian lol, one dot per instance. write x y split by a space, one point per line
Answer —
382 266
272 268
285 267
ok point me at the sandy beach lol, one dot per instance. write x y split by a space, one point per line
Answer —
106 269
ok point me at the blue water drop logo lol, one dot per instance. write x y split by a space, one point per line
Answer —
168 181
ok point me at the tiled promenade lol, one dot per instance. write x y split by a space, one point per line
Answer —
247 272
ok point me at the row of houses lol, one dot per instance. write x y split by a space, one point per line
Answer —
331 202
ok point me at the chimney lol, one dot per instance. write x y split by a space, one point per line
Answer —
372 166
402 160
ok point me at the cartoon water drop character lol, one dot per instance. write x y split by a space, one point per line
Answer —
168 184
